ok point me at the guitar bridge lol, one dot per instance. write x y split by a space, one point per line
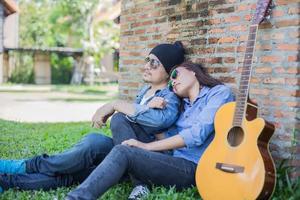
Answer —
230 168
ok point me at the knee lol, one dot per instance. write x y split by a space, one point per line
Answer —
117 119
123 150
98 141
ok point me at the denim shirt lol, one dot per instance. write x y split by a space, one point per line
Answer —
196 123
161 119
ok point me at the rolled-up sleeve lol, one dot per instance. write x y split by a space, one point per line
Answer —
155 117
197 133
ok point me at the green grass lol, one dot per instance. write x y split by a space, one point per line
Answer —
24 140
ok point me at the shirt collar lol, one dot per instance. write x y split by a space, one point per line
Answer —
157 91
201 94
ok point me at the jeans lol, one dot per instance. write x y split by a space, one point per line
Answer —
149 167
74 165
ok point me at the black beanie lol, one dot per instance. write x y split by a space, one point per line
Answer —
169 54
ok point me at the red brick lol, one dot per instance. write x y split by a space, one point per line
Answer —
288 47
229 60
140 31
273 80
216 30
292 81
285 2
260 91
263 70
295 34
248 17
238 28
225 49
294 10
292 70
227 40
233 19
243 7
270 58
293 104
294 58
277 13
278 36
288 22
264 46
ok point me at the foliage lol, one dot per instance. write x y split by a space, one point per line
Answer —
68 23
61 69
286 188
23 73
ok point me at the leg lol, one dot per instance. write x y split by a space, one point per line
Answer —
122 129
149 167
91 150
39 181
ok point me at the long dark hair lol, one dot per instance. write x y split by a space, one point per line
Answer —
201 74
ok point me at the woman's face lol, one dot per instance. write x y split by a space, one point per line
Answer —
183 81
154 72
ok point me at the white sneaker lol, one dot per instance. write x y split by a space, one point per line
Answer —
139 192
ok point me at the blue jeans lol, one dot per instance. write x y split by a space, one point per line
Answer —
149 167
74 165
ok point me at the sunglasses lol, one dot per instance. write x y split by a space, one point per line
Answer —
173 76
154 64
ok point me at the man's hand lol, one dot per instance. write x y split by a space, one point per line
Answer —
135 143
157 102
102 114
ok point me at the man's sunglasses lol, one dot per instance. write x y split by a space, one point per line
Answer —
154 64
173 76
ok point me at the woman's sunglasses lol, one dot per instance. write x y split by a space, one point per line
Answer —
154 64
173 76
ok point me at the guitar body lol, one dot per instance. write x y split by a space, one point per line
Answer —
237 171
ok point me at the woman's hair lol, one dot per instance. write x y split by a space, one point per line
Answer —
201 74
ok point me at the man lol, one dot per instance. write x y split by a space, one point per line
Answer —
132 120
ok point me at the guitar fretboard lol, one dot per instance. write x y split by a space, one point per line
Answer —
242 96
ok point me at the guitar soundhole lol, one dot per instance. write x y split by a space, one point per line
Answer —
235 136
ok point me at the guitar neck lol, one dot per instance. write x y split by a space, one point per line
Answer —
242 96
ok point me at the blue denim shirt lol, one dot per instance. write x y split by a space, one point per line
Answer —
196 123
161 119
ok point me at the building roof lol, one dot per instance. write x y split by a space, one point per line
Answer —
10 6
62 50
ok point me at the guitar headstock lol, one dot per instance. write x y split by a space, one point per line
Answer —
262 9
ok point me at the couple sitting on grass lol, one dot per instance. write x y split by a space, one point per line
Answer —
157 140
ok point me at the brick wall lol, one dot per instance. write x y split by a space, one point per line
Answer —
214 33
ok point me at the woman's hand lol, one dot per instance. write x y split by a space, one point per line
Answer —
157 102
135 143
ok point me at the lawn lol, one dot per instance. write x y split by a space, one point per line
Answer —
23 140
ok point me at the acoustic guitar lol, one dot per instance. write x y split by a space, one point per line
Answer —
237 165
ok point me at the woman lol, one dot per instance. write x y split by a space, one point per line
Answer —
202 96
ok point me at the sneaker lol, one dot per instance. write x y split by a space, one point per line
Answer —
12 167
139 192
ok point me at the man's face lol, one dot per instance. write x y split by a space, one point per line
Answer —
154 72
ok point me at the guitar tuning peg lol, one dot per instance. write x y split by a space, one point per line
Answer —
272 5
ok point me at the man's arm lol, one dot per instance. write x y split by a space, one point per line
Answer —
123 107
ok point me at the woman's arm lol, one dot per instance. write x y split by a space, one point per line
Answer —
173 142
